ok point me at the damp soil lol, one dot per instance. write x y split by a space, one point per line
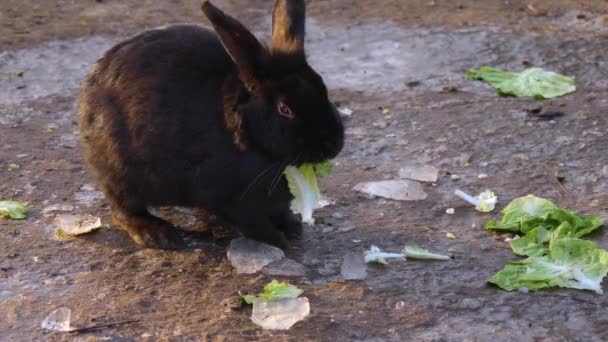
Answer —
408 57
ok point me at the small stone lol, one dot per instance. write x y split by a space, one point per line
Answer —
419 172
327 230
450 211
280 314
471 303
346 229
58 320
380 124
68 141
87 187
401 189
455 177
57 207
345 111
285 267
232 302
249 256
88 196
450 235
353 267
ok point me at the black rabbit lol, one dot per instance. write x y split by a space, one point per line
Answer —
180 115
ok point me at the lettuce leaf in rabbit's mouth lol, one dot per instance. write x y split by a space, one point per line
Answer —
303 186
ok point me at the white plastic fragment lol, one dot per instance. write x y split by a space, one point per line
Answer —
482 176
401 189
58 320
450 211
345 111
419 172
74 225
279 314
249 256
353 267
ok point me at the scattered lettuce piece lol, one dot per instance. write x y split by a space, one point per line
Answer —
247 298
533 243
303 186
323 169
540 221
305 190
415 252
533 82
522 214
487 201
571 262
374 254
492 76
274 290
13 210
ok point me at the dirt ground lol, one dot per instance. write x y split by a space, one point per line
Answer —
409 57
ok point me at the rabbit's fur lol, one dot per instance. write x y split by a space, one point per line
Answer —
186 116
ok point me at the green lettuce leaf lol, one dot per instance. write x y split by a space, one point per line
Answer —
571 262
302 182
247 298
303 186
533 243
323 169
533 82
539 221
492 76
522 214
13 210
415 252
276 290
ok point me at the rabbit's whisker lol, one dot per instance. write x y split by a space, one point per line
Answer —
258 179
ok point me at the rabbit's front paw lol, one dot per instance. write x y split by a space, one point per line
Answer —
150 232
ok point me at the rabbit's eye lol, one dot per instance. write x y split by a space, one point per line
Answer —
285 111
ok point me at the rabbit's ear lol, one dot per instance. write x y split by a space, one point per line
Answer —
241 45
288 26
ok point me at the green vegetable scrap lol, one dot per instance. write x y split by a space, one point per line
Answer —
415 252
303 186
13 210
537 220
556 255
274 290
573 263
323 169
376 255
533 82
